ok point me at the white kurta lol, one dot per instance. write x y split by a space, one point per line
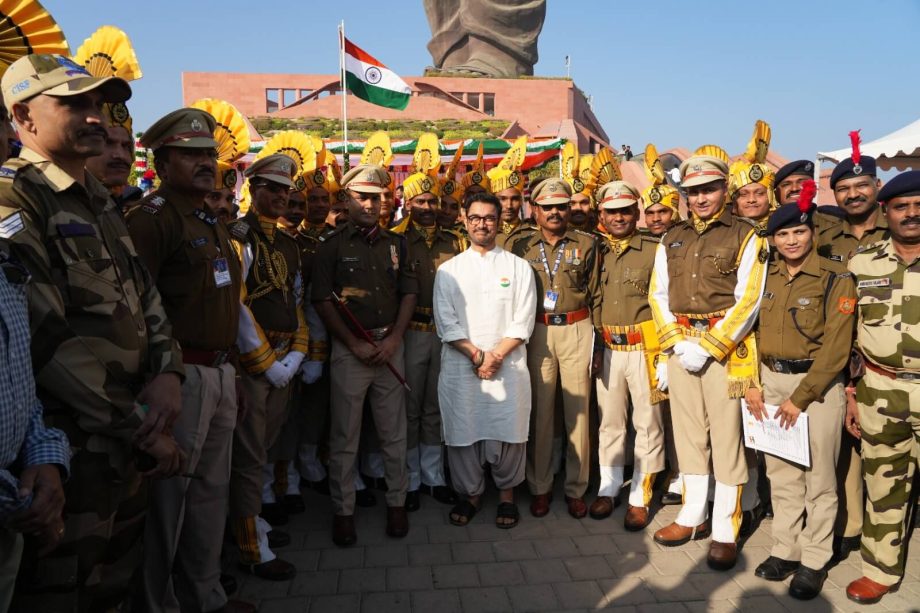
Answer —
484 298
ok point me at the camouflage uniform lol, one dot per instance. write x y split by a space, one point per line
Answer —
98 330
889 401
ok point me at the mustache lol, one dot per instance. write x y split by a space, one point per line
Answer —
855 200
205 172
554 218
118 165
910 221
92 131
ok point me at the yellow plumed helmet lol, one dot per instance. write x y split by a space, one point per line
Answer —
508 172
377 150
314 175
477 175
752 167
232 136
569 166
333 183
604 168
108 53
425 164
659 192
296 145
584 166
450 187
713 151
26 27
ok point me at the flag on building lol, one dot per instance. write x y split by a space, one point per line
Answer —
370 80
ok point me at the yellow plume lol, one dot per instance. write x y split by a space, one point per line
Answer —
477 163
569 161
451 173
26 27
713 151
232 133
653 166
427 158
377 150
296 145
584 167
604 168
759 144
514 157
108 53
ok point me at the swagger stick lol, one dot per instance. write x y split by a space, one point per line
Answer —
354 322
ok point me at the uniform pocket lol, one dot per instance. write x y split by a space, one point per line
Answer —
874 304
90 270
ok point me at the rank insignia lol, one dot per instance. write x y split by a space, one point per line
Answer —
763 256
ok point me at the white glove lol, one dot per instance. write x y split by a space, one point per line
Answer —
292 362
311 371
661 373
277 374
692 357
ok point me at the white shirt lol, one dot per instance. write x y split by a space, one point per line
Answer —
484 298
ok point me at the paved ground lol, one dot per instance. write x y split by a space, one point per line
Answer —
551 564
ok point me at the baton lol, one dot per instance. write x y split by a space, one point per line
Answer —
364 334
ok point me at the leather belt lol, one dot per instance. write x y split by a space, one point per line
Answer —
377 334
423 318
699 324
901 376
788 367
563 319
206 358
617 337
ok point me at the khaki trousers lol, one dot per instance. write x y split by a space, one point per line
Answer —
185 520
798 492
564 351
268 409
423 363
707 423
352 381
623 377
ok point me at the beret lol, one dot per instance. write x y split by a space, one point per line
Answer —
904 184
848 169
799 167
787 216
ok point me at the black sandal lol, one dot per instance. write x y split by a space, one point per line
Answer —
507 510
464 511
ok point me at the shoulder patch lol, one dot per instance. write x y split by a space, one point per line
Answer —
11 167
239 230
153 205
847 306
6 172
327 235
11 225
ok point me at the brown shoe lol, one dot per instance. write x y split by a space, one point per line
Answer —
674 534
722 556
602 507
237 606
539 506
343 530
276 570
866 591
397 522
577 507
636 518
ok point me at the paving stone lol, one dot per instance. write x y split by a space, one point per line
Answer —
455 575
629 564
513 550
335 604
258 589
305 559
386 602
347 557
528 530
661 607
672 562
544 571
315 583
447 534
409 578
555 547
716 586
533 598
436 601
485 599
472 552
285 605
588 567
673 588
362 580
427 555
584 594
594 544
710 606
761 604
386 555
625 591
489 532
500 574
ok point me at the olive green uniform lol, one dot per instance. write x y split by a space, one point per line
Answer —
98 331
371 274
561 345
888 396
189 256
805 335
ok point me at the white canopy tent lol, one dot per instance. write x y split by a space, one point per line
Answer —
899 150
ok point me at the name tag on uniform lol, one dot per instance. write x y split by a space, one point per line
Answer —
75 229
221 272
201 241
883 282
676 244
835 257
549 300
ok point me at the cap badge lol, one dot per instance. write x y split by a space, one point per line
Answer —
809 167
371 176
857 169
318 177
449 188
477 177
697 168
578 184
756 173
514 179
119 112
300 184
285 166
195 125
230 178
654 195
426 184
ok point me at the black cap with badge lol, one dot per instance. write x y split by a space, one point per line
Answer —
857 165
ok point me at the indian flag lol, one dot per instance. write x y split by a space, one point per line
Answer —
370 80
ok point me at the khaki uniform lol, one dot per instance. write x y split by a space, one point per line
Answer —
836 242
889 401
423 358
624 377
561 345
98 330
699 267
371 277
509 233
271 325
805 336
189 256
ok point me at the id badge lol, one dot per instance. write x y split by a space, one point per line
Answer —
221 272
549 300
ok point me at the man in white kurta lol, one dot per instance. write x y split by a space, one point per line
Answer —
484 311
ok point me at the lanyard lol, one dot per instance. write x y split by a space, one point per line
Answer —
558 261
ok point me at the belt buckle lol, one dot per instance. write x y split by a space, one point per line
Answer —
555 319
778 366
700 326
220 358
617 339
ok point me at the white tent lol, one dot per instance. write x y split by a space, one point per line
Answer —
899 150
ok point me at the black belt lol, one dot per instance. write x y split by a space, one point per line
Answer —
422 318
788 367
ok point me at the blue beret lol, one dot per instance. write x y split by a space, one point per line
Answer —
904 184
787 216
798 167
847 169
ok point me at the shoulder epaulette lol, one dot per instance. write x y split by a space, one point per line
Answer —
844 275
239 230
327 235
831 211
650 238
11 168
832 266
578 232
153 205
749 222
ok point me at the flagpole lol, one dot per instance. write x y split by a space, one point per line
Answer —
345 163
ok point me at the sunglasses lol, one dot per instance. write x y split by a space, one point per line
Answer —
549 207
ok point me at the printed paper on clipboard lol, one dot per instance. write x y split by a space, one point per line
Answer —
768 436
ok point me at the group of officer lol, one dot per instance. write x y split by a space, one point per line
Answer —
201 363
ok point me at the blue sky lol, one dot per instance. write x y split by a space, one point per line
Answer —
673 73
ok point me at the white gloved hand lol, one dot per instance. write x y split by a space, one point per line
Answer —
311 371
692 357
661 373
277 374
292 362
